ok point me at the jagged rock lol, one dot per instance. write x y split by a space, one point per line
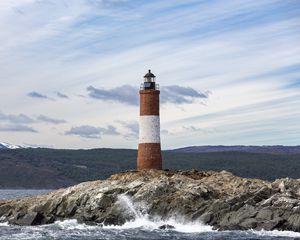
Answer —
271 224
265 214
294 222
30 218
249 223
206 217
166 227
216 198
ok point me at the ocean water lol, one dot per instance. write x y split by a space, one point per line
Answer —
140 228
12 193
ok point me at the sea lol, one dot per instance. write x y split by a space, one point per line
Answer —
140 228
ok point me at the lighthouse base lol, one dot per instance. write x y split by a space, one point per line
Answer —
149 156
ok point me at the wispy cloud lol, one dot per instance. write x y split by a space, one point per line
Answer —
25 119
61 95
19 118
124 94
178 94
127 94
87 131
37 95
38 145
16 128
46 119
132 129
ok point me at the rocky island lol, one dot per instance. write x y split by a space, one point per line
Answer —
219 199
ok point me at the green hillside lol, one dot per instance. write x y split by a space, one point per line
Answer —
50 168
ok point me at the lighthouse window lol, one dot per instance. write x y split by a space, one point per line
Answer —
147 84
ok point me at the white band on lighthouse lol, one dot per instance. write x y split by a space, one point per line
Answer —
149 129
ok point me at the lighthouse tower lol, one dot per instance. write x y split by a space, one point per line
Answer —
149 151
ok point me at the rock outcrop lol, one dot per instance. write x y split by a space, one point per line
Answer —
220 199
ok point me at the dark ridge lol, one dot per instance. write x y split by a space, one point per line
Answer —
52 168
274 149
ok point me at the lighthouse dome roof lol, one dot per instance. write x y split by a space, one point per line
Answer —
149 74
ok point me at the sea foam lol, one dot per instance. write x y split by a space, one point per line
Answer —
144 222
277 233
4 224
142 219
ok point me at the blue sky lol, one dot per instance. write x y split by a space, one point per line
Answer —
229 71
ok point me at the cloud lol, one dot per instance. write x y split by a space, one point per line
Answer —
195 129
61 95
46 119
124 94
19 119
25 119
87 131
16 128
37 145
165 132
37 95
219 49
110 130
127 94
179 95
132 128
17 10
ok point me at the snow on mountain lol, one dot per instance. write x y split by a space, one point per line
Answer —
4 145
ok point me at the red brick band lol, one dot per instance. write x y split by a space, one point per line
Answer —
149 156
149 102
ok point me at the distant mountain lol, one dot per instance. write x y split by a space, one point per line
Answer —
275 149
4 145
272 149
42 168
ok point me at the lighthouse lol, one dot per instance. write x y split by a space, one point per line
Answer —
149 150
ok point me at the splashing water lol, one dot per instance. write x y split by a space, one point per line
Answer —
142 220
127 203
5 224
142 227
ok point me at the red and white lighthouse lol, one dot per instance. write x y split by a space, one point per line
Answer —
149 150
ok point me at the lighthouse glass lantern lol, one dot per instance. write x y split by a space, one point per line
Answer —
149 81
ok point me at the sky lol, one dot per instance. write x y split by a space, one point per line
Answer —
70 71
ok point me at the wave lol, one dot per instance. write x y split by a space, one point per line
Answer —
146 224
143 222
4 224
170 224
276 233
71 224
60 228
